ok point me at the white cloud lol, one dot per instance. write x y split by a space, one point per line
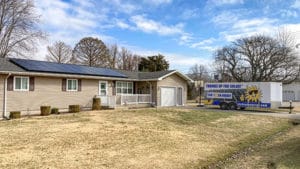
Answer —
190 13
185 39
248 27
157 2
256 22
225 18
150 26
203 43
227 2
296 4
288 13
122 24
122 6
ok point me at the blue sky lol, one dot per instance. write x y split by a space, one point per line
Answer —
185 31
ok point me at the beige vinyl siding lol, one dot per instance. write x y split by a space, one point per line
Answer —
48 91
172 81
1 94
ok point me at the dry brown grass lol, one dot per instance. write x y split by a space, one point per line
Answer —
282 152
145 138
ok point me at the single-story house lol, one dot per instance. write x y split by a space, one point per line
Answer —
25 85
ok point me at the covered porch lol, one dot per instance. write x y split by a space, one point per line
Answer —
123 93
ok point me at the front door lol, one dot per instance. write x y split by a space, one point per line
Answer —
103 92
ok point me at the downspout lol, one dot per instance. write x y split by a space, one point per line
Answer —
5 96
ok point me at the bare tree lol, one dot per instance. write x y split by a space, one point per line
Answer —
259 58
199 72
127 60
92 52
114 55
18 28
59 52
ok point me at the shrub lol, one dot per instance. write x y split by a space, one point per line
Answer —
96 104
15 114
54 111
45 110
74 108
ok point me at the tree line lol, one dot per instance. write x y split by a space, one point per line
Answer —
93 52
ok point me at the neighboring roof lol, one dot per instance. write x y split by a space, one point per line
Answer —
51 67
6 65
154 75
129 74
145 75
159 75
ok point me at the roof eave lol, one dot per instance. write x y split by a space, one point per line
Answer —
61 75
178 73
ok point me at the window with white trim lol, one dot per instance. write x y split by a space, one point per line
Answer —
21 83
124 88
72 85
102 88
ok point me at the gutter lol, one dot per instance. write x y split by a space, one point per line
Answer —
74 76
5 97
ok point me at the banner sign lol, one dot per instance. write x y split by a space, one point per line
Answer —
218 86
217 95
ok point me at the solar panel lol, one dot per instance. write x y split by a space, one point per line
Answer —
51 67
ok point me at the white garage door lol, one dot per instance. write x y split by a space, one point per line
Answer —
168 96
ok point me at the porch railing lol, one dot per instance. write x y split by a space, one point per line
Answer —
109 101
135 98
124 99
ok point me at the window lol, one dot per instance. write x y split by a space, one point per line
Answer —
72 85
21 83
102 88
124 88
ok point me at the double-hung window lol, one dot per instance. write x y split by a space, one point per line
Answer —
72 85
124 88
21 83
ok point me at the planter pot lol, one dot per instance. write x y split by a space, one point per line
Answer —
96 104
45 110
15 115
74 108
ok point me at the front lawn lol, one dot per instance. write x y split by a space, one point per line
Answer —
145 138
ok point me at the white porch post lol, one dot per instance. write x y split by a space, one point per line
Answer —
5 96
150 85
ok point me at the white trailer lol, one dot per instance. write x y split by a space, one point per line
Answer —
242 95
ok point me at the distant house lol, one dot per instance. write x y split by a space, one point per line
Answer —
25 85
291 91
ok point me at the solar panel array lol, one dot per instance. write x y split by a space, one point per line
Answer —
42 66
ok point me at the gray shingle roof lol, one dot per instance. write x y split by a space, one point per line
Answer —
145 75
6 65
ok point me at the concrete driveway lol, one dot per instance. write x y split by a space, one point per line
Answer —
281 114
273 114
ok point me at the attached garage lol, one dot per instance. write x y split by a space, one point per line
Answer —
168 96
172 90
